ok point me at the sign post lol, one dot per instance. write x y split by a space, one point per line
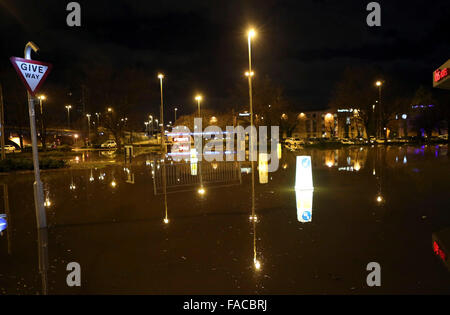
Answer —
33 74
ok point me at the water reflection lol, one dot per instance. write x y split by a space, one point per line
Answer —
212 232
254 220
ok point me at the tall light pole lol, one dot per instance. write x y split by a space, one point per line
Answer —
89 126
161 77
68 107
98 119
42 98
199 98
249 74
151 124
175 120
379 84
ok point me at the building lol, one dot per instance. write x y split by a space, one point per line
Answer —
343 123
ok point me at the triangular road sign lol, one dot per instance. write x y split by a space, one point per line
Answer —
33 73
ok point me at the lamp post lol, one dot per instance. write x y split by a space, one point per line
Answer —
89 126
199 98
98 119
249 74
42 98
175 120
68 107
161 77
379 84
151 124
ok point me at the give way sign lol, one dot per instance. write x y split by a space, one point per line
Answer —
33 73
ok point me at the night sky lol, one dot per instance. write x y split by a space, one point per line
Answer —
303 45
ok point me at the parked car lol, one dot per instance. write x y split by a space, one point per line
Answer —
9 148
293 146
109 144
294 141
347 141
443 137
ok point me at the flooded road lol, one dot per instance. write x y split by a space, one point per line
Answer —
155 227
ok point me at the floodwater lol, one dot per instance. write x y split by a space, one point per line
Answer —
148 228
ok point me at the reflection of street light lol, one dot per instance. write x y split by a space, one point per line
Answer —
68 107
257 264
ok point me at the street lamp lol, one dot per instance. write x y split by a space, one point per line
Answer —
175 120
379 84
199 98
161 77
98 119
42 98
151 124
68 107
88 116
250 74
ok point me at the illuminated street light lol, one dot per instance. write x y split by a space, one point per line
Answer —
250 74
379 84
199 98
201 190
42 98
88 116
175 109
68 107
161 77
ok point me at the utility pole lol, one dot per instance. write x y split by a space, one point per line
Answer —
2 122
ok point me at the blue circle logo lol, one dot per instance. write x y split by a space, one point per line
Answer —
306 163
306 215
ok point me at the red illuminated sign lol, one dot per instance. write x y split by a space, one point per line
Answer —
440 74
439 252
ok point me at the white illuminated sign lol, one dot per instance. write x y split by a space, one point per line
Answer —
304 200
304 188
303 173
